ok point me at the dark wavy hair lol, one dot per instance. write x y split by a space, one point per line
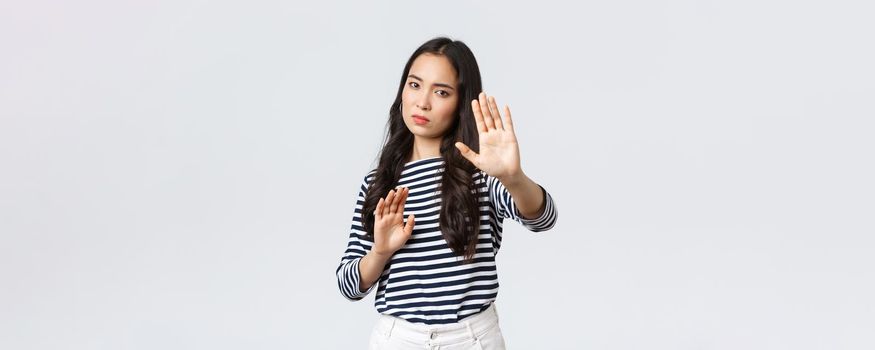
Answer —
460 211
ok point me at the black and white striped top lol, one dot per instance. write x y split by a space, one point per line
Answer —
424 281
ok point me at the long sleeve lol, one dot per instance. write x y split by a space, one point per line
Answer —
348 273
503 201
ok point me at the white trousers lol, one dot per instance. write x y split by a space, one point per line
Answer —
477 332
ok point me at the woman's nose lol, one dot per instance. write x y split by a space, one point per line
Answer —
423 102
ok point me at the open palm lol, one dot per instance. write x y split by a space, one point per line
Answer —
390 231
499 151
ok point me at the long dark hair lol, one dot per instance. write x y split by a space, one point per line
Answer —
460 211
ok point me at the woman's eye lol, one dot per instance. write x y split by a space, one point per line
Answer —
443 93
413 84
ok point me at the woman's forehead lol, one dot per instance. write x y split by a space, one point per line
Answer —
434 69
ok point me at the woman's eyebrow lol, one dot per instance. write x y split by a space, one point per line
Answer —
436 84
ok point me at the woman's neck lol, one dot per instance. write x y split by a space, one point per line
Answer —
425 148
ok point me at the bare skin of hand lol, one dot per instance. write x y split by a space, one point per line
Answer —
499 151
390 231
499 155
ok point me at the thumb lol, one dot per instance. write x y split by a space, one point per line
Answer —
408 228
467 152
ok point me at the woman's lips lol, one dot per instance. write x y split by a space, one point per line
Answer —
420 120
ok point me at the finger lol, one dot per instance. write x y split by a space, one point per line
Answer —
397 205
496 116
385 206
408 228
379 212
484 109
390 200
478 117
467 152
402 199
508 120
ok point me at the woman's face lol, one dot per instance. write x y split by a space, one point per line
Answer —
430 96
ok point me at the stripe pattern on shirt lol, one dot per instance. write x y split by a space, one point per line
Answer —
424 281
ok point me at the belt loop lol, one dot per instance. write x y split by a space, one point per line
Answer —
470 330
391 326
495 310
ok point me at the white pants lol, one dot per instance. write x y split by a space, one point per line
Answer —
477 332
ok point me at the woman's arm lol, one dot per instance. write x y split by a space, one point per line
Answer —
527 195
370 269
517 196
349 271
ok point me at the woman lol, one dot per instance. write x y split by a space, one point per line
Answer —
448 154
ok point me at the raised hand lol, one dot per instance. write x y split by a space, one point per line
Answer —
499 152
390 232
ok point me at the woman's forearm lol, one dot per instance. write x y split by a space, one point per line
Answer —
370 269
527 195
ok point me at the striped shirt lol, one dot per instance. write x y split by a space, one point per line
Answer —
424 281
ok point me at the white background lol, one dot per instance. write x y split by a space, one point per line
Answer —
182 174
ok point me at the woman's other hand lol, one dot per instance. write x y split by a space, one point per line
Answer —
390 231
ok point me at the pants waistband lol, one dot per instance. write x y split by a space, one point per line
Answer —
471 327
